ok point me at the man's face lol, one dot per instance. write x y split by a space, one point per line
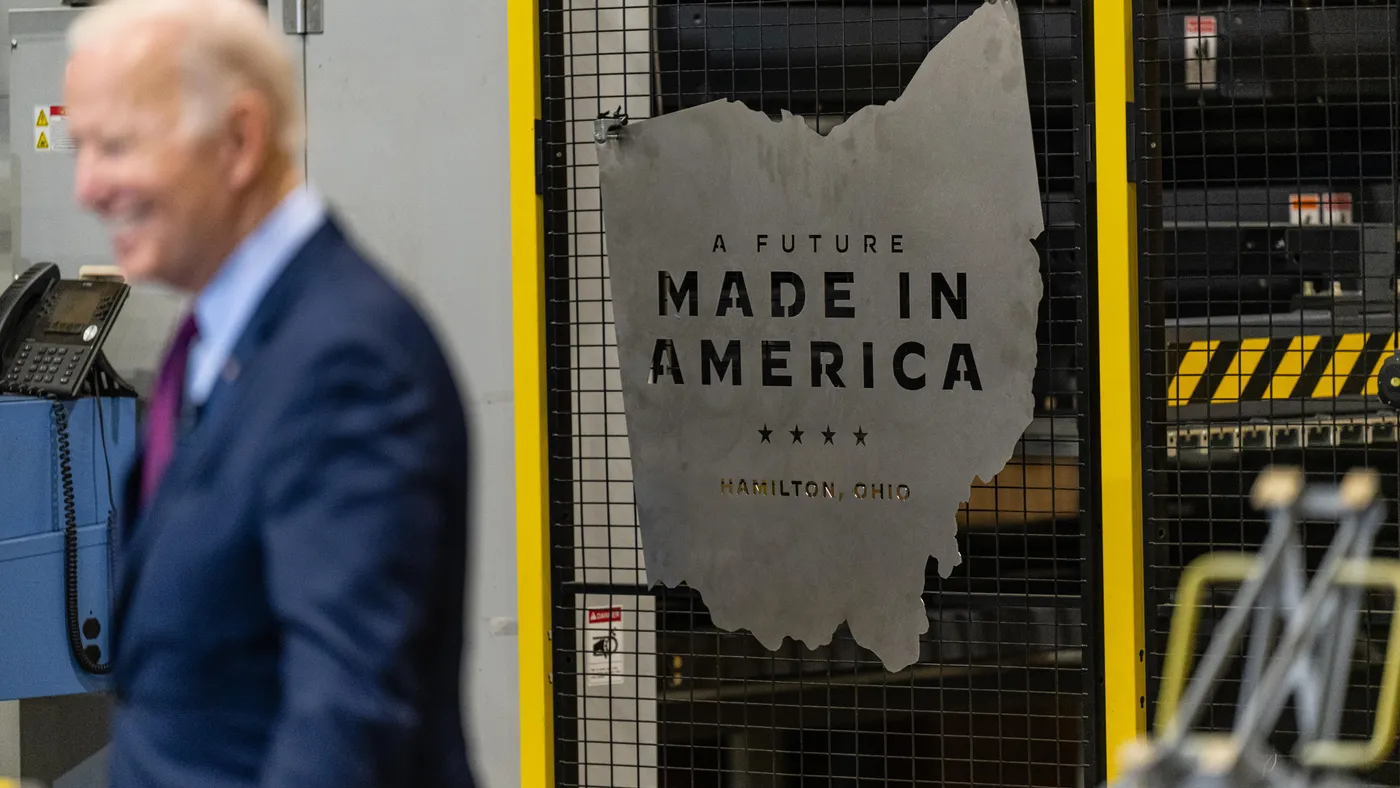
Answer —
162 193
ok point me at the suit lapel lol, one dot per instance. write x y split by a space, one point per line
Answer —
139 524
279 301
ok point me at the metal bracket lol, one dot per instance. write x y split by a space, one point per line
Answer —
1090 141
303 17
608 126
1132 127
539 157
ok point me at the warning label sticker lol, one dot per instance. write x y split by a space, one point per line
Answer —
1201 50
51 129
1330 208
603 637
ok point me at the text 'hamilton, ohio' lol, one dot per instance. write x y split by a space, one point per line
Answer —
831 491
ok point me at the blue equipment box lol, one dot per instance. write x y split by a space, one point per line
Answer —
35 656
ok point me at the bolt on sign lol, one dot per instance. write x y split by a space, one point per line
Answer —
824 340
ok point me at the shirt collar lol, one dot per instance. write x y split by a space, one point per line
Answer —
260 255
224 307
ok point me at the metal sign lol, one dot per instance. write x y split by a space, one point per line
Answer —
1332 209
824 339
605 662
1201 51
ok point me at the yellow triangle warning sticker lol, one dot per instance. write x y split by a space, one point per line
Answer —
42 121
43 143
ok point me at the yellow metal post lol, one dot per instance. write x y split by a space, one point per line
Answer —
1120 426
531 433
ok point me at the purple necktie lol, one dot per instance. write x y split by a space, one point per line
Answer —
163 414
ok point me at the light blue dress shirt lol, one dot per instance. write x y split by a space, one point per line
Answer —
224 307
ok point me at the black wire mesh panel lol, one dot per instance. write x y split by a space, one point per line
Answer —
646 690
1267 145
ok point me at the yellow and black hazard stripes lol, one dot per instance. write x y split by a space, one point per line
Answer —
1242 366
1340 366
1189 370
1277 368
1293 364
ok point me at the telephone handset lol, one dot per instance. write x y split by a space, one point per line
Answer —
52 330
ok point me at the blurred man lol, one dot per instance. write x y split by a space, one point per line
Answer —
289 603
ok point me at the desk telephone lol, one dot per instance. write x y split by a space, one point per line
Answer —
51 335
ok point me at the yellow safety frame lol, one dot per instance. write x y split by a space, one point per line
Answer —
1120 455
531 418
1120 422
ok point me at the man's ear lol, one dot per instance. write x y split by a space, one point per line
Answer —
249 139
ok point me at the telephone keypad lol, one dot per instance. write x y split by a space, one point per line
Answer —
39 362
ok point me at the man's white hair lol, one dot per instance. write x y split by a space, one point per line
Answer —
228 46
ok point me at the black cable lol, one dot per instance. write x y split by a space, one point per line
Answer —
70 548
111 504
106 456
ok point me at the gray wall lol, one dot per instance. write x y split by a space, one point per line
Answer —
407 137
406 114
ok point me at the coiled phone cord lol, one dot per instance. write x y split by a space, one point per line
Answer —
70 547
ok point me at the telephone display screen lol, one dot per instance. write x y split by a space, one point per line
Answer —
75 309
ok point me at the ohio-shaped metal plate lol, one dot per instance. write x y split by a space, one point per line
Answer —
824 339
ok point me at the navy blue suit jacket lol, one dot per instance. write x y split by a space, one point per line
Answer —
289 607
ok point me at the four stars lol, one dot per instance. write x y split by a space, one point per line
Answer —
765 435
